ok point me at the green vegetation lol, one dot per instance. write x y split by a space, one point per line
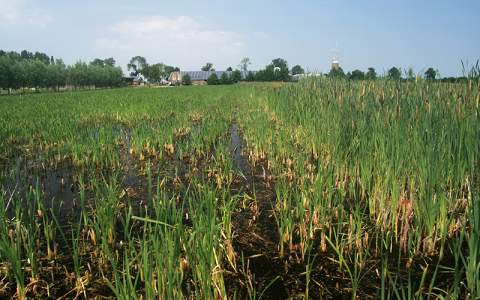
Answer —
154 73
213 79
37 70
325 188
186 80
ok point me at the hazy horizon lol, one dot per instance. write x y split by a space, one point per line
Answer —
436 34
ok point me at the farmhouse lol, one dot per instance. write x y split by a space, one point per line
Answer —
198 77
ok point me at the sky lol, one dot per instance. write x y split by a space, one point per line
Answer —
189 33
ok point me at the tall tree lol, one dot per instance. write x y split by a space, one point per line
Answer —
42 57
136 65
213 79
371 74
430 74
109 62
6 74
97 62
297 69
208 67
224 78
336 73
250 76
410 74
278 69
357 75
244 63
236 76
394 73
26 55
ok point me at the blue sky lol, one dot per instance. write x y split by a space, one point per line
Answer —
187 33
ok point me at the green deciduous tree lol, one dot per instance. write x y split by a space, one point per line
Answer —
250 76
213 79
297 69
224 78
430 74
357 75
336 73
236 76
394 73
136 65
186 80
208 67
279 69
244 63
371 74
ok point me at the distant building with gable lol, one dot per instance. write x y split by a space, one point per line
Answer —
200 77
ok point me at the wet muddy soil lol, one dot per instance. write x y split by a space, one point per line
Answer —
256 233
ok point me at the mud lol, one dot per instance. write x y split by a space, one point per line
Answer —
256 232
56 189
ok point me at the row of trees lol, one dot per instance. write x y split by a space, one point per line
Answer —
226 78
38 70
393 73
277 70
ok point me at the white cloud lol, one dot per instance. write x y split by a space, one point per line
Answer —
180 40
15 12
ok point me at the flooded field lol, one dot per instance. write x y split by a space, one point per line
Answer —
322 189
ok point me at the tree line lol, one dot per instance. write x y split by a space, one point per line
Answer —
395 73
37 70
278 70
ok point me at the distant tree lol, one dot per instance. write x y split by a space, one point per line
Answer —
410 74
97 62
136 65
154 73
109 62
224 78
23 70
42 57
430 74
297 69
229 69
186 80
37 71
26 55
6 74
213 79
371 74
208 67
336 73
250 76
263 75
78 75
58 73
236 76
357 75
244 63
21 74
277 70
394 73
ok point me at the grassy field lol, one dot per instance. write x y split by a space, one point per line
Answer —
322 189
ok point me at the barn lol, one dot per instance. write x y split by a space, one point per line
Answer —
198 77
